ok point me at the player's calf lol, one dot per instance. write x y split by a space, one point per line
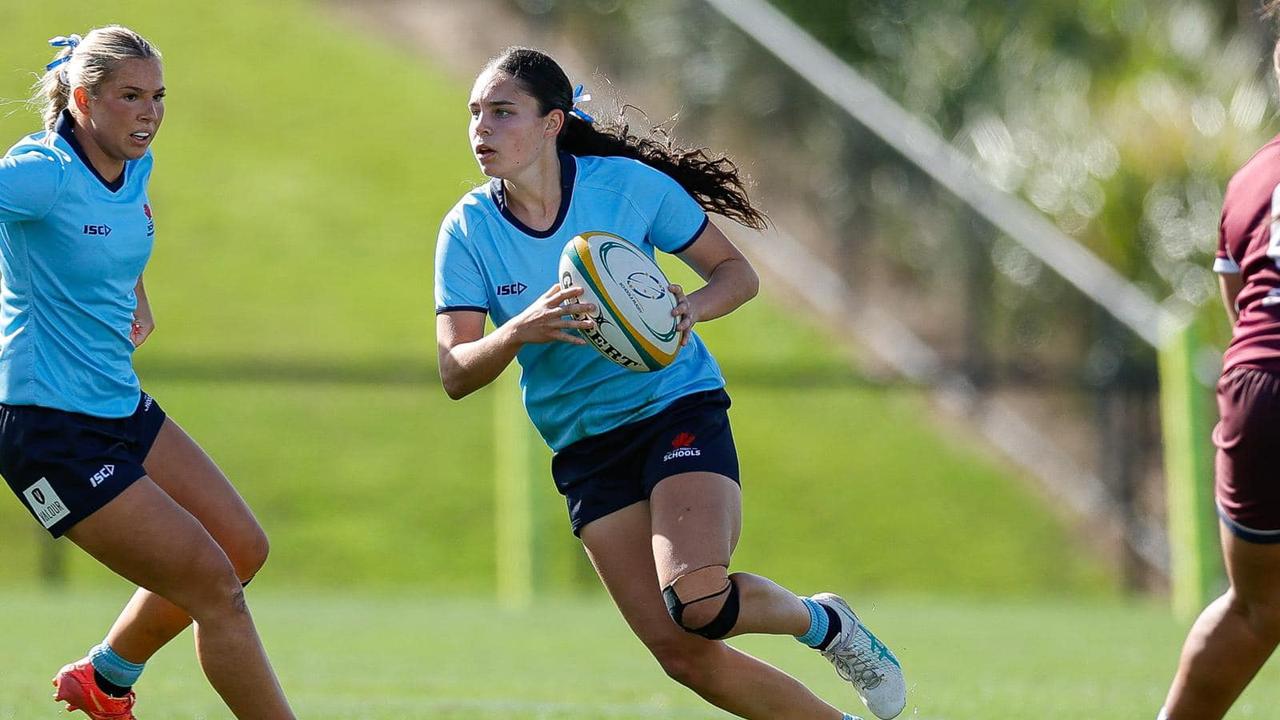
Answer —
1262 616
688 660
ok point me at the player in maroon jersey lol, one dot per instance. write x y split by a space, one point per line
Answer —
1236 634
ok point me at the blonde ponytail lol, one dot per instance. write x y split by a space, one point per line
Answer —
52 91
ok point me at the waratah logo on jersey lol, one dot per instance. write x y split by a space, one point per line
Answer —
682 447
151 222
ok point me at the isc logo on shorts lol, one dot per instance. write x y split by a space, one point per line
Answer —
46 503
101 476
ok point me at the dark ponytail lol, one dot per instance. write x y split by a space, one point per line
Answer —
714 181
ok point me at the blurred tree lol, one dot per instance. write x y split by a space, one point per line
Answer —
1121 119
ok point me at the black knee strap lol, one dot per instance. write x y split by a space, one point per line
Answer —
720 625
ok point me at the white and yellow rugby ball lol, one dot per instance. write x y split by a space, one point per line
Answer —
633 322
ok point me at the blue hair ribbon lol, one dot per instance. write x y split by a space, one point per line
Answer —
71 41
578 97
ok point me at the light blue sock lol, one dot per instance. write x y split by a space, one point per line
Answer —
818 623
847 716
114 668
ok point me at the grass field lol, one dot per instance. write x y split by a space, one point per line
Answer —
369 658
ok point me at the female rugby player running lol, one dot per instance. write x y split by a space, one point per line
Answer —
90 455
1236 634
646 461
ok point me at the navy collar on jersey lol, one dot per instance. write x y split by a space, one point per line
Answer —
568 171
65 127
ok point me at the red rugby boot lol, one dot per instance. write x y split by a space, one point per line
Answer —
77 688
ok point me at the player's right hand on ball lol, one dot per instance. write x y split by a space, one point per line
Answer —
549 318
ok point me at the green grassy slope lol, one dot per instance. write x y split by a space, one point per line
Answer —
301 175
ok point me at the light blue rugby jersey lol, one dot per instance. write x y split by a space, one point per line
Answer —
72 248
487 260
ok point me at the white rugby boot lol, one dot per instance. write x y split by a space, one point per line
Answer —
864 661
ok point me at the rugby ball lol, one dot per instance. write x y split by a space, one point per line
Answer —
633 323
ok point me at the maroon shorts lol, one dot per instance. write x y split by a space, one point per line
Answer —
1247 467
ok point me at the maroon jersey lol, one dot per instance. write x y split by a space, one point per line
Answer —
1249 244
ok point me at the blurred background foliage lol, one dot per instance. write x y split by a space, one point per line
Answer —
1119 119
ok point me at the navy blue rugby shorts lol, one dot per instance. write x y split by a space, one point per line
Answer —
604 473
65 466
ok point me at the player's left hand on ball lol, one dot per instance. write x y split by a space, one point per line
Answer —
685 311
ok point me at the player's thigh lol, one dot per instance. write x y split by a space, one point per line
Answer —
691 475
148 539
618 545
180 467
1253 568
696 523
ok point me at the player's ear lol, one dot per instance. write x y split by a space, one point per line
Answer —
80 97
555 121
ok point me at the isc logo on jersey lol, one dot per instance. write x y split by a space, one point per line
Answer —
634 325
